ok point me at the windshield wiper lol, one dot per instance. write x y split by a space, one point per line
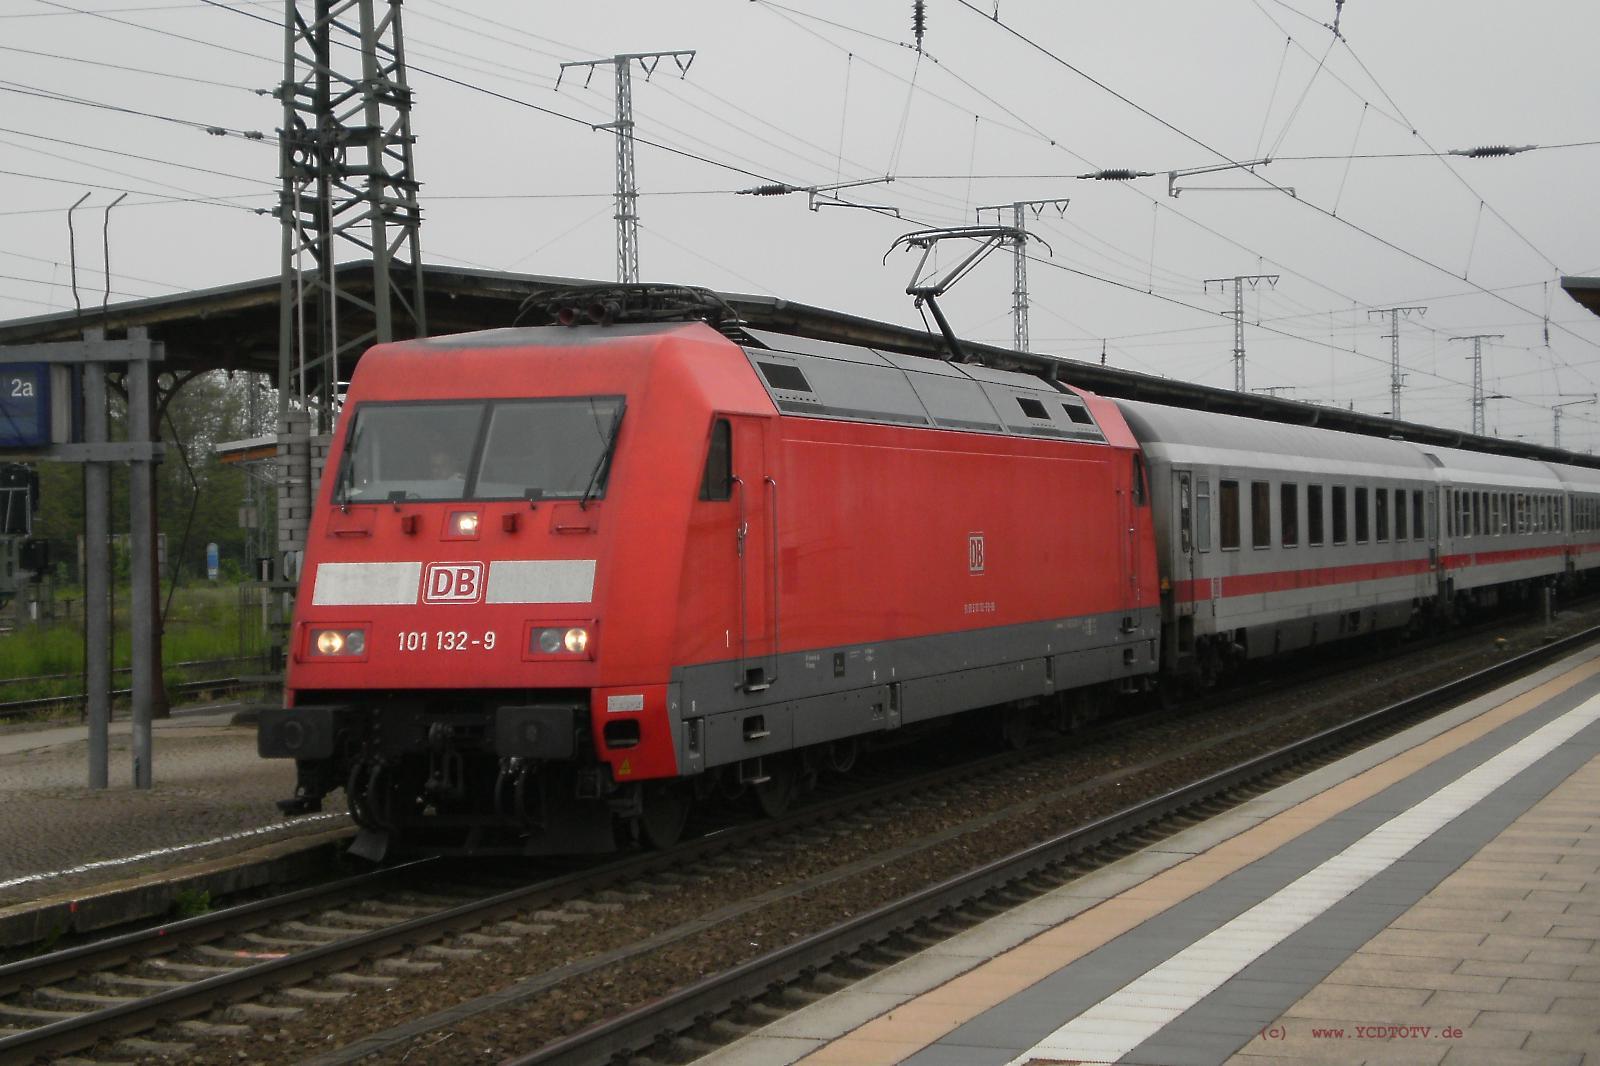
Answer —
347 471
596 476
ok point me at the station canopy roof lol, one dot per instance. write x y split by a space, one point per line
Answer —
1585 290
235 327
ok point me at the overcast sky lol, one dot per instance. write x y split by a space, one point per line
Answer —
1007 100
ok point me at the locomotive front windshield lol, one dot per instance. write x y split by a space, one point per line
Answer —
480 450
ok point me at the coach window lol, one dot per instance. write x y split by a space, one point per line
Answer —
1341 526
1202 514
1260 514
717 482
1416 513
1289 514
1382 509
1399 514
1363 527
1228 503
1477 514
1314 514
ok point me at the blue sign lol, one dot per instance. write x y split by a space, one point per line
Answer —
211 561
24 405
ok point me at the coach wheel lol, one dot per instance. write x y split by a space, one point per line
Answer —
1016 727
774 794
666 811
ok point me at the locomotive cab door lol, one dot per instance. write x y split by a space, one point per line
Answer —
1138 513
756 497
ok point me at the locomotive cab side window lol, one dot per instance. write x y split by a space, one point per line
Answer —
1228 505
1140 496
717 482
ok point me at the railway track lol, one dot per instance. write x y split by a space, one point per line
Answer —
73 1000
675 1026
66 1001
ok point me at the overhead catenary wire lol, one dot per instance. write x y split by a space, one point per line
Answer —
1384 241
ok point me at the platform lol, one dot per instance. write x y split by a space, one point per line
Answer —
1432 899
212 806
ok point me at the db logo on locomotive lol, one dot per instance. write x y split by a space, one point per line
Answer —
452 583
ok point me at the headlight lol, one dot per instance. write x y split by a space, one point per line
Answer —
338 642
464 523
564 640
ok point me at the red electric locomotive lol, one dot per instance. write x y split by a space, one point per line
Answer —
564 578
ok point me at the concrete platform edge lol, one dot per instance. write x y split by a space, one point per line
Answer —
789 1039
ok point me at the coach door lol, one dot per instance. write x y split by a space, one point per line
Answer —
756 497
1184 544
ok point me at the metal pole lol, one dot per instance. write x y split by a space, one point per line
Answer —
141 544
96 576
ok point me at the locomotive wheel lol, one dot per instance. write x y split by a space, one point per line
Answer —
666 811
774 795
840 755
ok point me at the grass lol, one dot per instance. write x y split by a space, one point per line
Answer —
205 622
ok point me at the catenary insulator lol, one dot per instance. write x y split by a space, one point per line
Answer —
1117 174
1488 150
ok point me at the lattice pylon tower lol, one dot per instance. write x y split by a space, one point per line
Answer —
1019 259
1019 284
1477 340
1396 378
1237 314
627 214
349 185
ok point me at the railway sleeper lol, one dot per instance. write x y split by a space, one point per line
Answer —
138 1045
88 1000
